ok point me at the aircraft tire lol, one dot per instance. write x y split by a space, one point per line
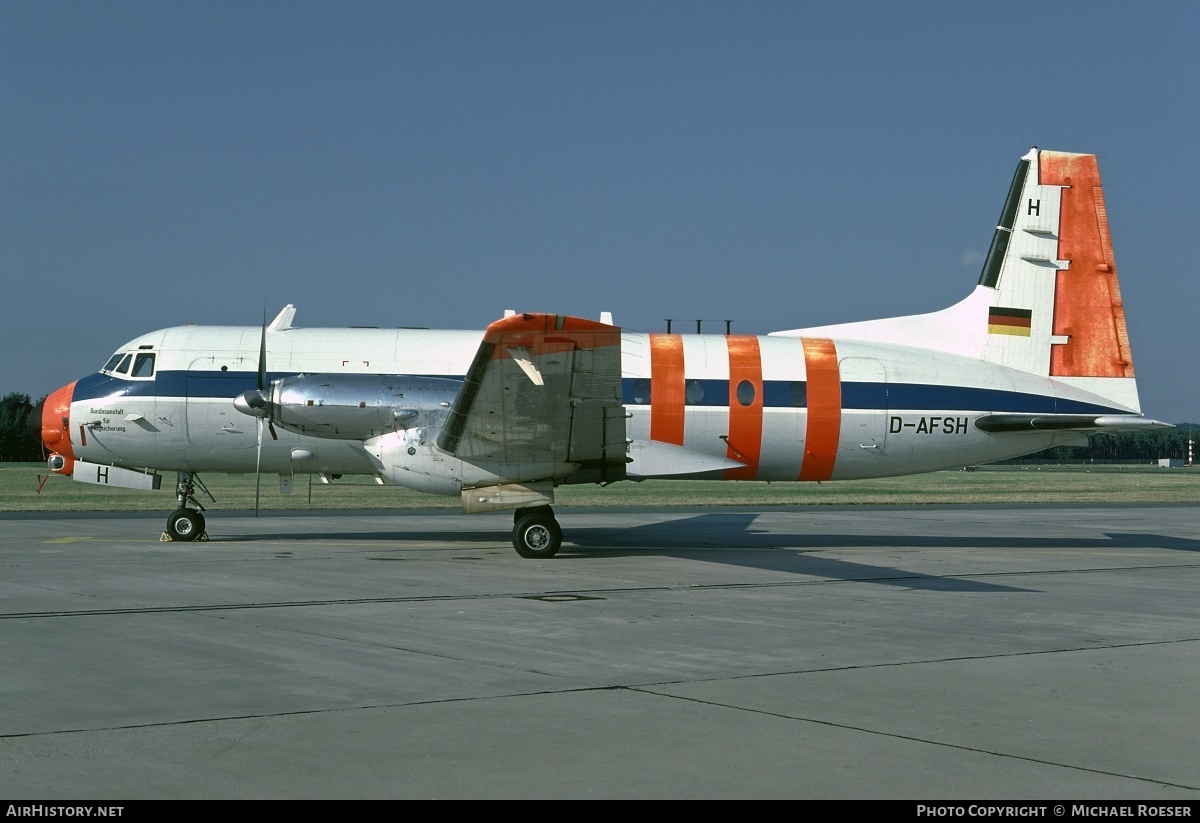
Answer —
185 525
528 510
537 535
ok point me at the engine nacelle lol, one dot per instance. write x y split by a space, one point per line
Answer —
410 458
351 406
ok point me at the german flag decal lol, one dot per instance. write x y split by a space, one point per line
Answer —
1009 321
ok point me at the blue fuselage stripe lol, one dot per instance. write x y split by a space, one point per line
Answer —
784 394
780 394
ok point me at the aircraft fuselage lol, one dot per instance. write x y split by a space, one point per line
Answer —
701 406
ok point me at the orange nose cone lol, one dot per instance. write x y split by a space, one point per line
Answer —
56 426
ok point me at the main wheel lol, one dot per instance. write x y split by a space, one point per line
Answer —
185 525
537 534
528 510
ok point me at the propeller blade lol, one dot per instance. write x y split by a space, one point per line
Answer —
259 404
262 354
258 467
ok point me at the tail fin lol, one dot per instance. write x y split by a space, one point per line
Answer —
1056 307
1047 302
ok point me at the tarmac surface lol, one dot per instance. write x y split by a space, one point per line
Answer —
891 652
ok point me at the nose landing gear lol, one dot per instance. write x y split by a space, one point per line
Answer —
186 523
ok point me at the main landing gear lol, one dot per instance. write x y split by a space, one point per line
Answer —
185 523
536 534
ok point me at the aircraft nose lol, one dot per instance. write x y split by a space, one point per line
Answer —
50 422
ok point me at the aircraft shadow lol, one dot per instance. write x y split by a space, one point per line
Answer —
730 539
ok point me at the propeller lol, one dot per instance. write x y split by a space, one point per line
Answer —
254 402
262 379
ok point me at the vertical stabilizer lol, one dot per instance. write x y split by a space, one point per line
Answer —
1047 301
1055 307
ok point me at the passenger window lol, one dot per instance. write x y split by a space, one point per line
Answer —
143 365
124 365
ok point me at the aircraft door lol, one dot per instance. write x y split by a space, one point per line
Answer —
864 410
215 428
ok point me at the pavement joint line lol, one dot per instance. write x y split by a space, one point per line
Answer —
912 739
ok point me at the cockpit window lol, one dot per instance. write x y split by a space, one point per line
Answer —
143 365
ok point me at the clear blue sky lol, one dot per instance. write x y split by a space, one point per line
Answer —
779 164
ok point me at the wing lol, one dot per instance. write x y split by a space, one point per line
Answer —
543 389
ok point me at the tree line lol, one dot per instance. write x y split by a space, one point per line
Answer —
15 443
1151 445
17 446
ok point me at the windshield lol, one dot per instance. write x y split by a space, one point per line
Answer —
143 365
131 364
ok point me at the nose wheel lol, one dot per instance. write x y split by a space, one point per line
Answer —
536 534
186 524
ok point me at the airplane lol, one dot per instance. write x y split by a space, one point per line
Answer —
1036 355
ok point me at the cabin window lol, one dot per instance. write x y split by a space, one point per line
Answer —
641 391
694 393
745 392
143 365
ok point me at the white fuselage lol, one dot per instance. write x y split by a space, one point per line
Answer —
703 406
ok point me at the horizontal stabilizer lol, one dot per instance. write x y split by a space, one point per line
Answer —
1066 422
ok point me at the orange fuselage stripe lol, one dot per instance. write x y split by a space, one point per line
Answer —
745 422
824 409
666 388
